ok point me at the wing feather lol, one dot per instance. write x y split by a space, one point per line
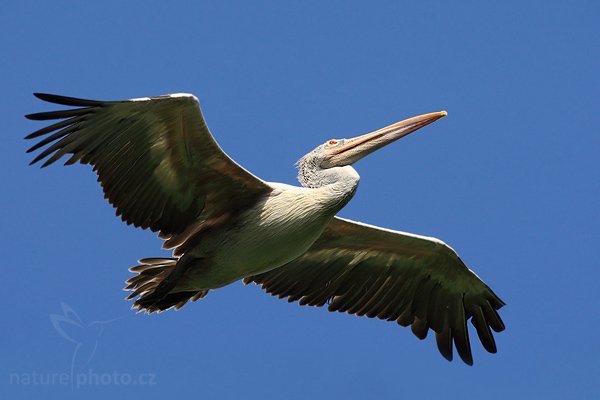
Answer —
413 280
156 160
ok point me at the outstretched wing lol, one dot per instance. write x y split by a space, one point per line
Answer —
156 160
414 280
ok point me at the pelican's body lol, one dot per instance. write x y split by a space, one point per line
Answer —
162 170
275 231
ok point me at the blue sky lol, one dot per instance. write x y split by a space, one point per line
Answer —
510 179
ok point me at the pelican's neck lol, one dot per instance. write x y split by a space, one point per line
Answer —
337 184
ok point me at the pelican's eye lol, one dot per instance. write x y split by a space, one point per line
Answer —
332 142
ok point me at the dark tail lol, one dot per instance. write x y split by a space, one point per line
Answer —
155 278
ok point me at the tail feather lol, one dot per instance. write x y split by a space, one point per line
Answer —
152 287
149 261
175 300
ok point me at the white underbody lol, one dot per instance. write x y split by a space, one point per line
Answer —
272 233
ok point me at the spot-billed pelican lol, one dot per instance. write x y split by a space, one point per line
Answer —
160 167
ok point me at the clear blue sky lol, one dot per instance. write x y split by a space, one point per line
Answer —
510 179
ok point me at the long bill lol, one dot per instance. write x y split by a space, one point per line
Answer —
356 148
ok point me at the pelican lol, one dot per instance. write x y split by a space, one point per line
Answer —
162 170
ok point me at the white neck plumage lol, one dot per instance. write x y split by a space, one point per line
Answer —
337 184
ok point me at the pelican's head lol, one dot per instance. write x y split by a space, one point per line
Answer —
342 152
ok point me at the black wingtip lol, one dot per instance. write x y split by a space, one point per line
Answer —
483 329
61 114
444 343
32 117
42 96
464 352
38 158
67 101
35 162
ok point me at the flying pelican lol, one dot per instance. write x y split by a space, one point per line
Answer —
160 167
